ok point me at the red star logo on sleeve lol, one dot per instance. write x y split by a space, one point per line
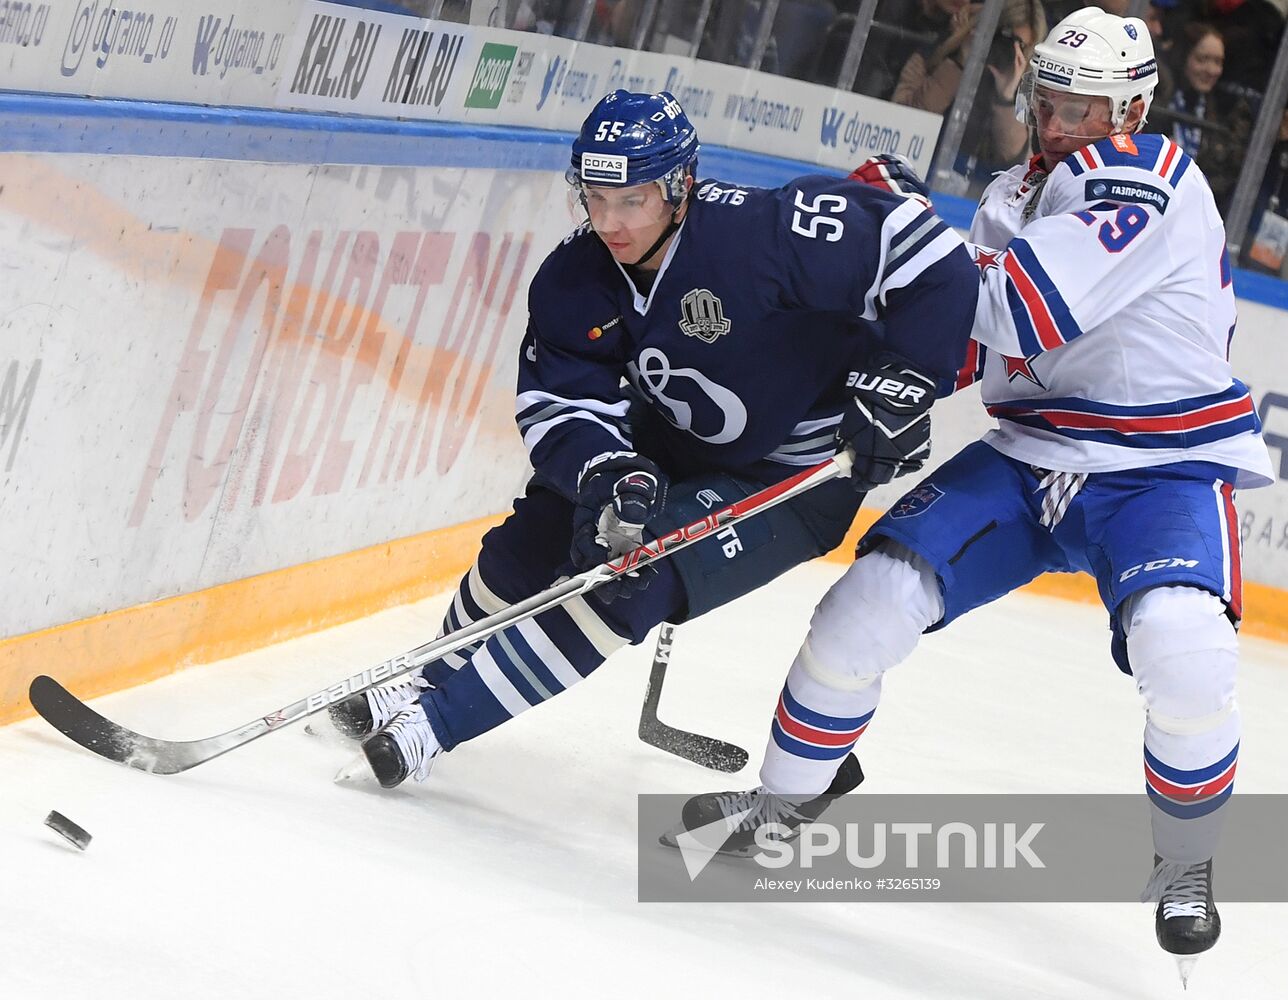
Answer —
984 259
1023 368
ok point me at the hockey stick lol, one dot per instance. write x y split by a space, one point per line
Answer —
705 750
81 724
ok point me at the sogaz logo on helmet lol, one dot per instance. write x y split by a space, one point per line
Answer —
490 75
605 167
1049 69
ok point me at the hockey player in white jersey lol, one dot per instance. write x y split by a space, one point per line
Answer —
1102 331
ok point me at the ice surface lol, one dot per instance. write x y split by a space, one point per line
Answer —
512 870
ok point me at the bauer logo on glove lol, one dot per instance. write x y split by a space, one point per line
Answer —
887 424
897 390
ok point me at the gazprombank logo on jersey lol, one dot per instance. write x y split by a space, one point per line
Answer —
1101 189
490 75
703 315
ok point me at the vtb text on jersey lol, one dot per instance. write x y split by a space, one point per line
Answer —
735 358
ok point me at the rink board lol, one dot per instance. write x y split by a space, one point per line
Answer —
342 60
228 368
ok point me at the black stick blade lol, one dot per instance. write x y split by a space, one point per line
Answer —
82 725
707 751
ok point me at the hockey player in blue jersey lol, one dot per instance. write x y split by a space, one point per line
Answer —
1102 336
689 344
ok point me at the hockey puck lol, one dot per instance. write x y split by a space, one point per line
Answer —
75 835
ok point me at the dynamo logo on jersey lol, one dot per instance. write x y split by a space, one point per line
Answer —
609 168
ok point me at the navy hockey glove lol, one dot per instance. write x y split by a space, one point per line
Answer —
892 173
617 493
887 422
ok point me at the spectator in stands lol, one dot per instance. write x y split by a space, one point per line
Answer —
899 28
800 27
1058 10
1211 124
929 77
929 80
543 17
798 35
1157 18
1250 30
614 23
730 34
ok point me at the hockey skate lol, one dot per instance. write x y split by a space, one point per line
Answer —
1186 921
759 807
364 713
403 748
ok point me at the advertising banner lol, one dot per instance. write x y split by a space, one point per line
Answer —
1260 357
218 52
311 55
212 369
348 60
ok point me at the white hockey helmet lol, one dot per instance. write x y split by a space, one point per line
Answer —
1097 54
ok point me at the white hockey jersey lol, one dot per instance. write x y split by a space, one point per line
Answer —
1105 322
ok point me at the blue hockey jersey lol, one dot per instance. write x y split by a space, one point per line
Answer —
736 357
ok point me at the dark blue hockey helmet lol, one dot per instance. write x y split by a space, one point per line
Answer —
629 139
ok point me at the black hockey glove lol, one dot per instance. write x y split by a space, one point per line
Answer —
887 422
892 173
617 493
